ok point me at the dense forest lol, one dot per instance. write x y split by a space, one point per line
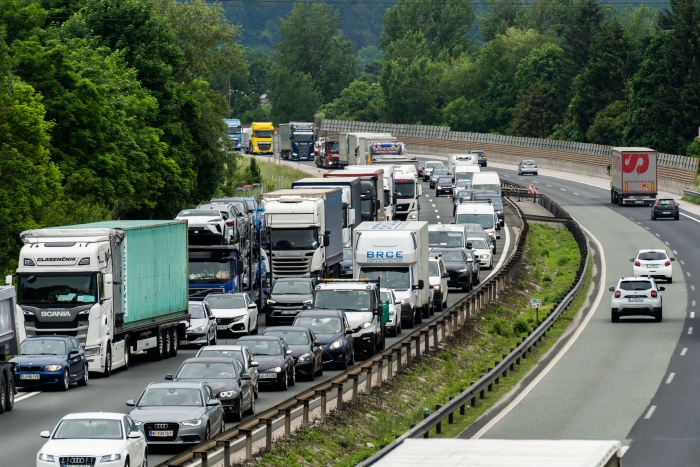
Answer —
114 108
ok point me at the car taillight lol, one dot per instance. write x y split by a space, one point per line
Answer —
674 202
617 294
535 165
654 293
667 263
637 263
229 223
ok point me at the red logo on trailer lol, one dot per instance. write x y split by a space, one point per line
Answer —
635 163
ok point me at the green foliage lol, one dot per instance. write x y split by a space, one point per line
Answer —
521 326
293 95
360 101
254 172
500 15
608 127
463 115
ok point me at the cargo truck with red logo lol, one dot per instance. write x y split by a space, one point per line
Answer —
633 176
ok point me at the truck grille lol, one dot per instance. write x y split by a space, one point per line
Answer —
291 267
264 146
70 461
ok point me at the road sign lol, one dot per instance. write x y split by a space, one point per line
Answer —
536 303
532 189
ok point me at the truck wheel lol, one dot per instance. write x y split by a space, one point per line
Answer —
166 336
418 315
108 361
156 353
3 393
174 342
127 354
10 393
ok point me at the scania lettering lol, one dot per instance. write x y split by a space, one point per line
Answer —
123 289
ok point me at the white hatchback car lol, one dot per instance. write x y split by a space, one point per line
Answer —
636 296
653 263
96 439
482 250
393 326
438 277
206 226
235 313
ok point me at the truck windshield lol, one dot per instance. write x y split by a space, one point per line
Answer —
405 189
495 199
333 147
303 138
391 278
366 210
349 300
486 187
486 220
40 289
234 130
294 239
446 239
209 272
263 133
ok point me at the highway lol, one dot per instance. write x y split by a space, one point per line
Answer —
38 411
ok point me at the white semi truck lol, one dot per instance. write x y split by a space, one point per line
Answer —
117 286
305 228
389 188
407 190
349 146
396 253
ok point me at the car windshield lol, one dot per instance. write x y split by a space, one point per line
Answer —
205 370
196 310
433 268
439 171
199 213
224 353
462 182
486 220
453 256
334 147
464 176
488 187
666 202
464 194
225 301
303 137
294 239
42 347
347 254
290 337
636 285
79 428
349 300
652 256
446 239
329 325
386 297
433 165
445 181
390 278
292 287
209 272
59 289
478 244
170 397
263 347
527 163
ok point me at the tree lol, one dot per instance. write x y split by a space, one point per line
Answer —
537 111
444 27
360 101
608 127
293 95
579 36
463 115
500 15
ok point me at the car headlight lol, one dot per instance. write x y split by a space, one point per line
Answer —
46 457
111 458
277 369
463 270
484 256
53 367
490 234
237 319
336 345
196 422
226 394
138 422
436 287
271 302
305 358
404 301
366 325
197 329
307 302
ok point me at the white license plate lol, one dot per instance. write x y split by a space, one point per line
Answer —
665 212
29 376
636 299
184 342
652 266
76 465
163 433
267 375
222 327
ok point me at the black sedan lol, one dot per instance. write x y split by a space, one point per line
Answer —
226 378
332 329
275 359
306 350
443 186
665 207
457 264
55 361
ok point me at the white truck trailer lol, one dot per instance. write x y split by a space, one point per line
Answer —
349 146
396 253
407 190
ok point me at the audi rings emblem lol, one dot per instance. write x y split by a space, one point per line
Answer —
76 460
160 426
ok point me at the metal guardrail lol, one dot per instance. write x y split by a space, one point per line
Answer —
258 433
486 382
691 193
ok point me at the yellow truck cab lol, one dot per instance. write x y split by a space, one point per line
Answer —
261 138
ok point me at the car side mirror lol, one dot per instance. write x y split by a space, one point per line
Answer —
326 240
45 434
673 259
246 377
288 352
169 377
131 403
661 289
134 435
254 364
317 344
252 305
348 331
469 245
612 289
74 352
631 259
379 311
421 284
213 402
445 275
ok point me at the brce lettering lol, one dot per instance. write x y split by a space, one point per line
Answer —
385 254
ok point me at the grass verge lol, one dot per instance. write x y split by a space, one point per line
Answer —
274 176
344 439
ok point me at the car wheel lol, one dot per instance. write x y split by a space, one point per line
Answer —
658 315
127 463
284 384
677 217
346 363
293 380
213 339
652 215
66 380
238 416
320 369
145 458
256 390
398 328
84 380
207 432
614 317
352 357
418 316
108 361
251 409
222 428
670 280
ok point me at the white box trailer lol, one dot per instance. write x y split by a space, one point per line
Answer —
454 160
349 146
396 253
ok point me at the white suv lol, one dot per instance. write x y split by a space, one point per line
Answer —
636 296
438 277
653 263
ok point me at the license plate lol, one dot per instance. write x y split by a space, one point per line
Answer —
184 342
76 465
665 212
636 299
222 327
267 375
652 266
289 312
29 376
162 433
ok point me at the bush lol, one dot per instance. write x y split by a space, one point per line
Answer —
521 326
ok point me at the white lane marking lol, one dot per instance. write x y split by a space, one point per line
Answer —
437 216
650 412
563 350
693 303
692 287
549 185
667 243
675 252
577 194
684 351
562 189
692 315
624 450
658 235
687 273
682 262
646 227
433 205
26 396
638 223
670 378
690 330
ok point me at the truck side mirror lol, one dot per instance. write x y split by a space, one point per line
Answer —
8 280
239 266
469 245
379 311
326 240
420 190
420 285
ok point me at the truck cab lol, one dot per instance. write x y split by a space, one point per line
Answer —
261 138
233 129
479 212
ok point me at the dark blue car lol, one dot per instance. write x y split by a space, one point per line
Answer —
54 361
333 332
